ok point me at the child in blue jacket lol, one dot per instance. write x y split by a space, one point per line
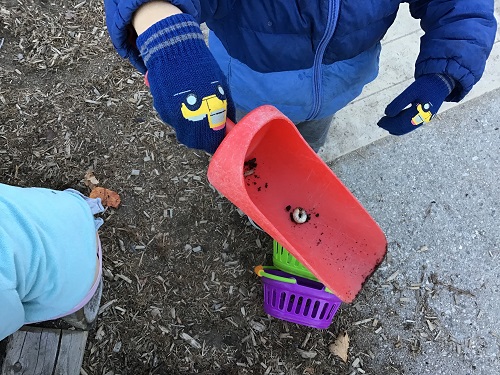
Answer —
50 257
307 58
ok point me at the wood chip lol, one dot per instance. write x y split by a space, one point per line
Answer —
256 326
191 341
80 4
393 276
90 180
163 330
362 321
232 322
117 347
306 339
431 325
124 278
105 306
246 338
307 354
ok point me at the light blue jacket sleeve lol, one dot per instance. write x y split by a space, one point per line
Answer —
11 312
48 253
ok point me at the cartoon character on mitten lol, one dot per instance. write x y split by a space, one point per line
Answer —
417 105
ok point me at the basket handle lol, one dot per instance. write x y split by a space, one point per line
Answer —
259 271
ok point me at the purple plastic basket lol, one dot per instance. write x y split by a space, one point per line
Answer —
305 302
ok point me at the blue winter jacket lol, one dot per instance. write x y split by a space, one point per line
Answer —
311 58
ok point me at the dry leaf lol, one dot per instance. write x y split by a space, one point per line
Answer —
90 180
340 346
109 198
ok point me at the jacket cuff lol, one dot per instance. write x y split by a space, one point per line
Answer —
463 78
119 15
178 34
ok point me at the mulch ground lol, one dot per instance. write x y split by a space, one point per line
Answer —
180 295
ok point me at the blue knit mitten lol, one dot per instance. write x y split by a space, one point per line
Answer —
425 95
189 89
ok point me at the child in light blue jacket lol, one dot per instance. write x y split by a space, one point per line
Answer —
50 257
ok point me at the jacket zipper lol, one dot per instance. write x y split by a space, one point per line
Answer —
333 14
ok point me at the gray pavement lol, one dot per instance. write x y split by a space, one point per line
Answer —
436 195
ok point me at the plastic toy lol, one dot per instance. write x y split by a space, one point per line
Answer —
297 299
266 169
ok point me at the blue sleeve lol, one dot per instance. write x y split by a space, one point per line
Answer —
458 39
11 313
119 15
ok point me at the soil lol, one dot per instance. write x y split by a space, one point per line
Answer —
180 295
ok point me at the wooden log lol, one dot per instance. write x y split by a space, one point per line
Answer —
50 347
39 351
71 351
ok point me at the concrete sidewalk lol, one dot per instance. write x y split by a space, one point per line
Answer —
436 195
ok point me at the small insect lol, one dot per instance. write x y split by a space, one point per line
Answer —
299 215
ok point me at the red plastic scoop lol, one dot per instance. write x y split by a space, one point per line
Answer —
266 169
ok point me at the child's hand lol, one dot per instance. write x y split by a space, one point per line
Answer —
189 90
424 96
